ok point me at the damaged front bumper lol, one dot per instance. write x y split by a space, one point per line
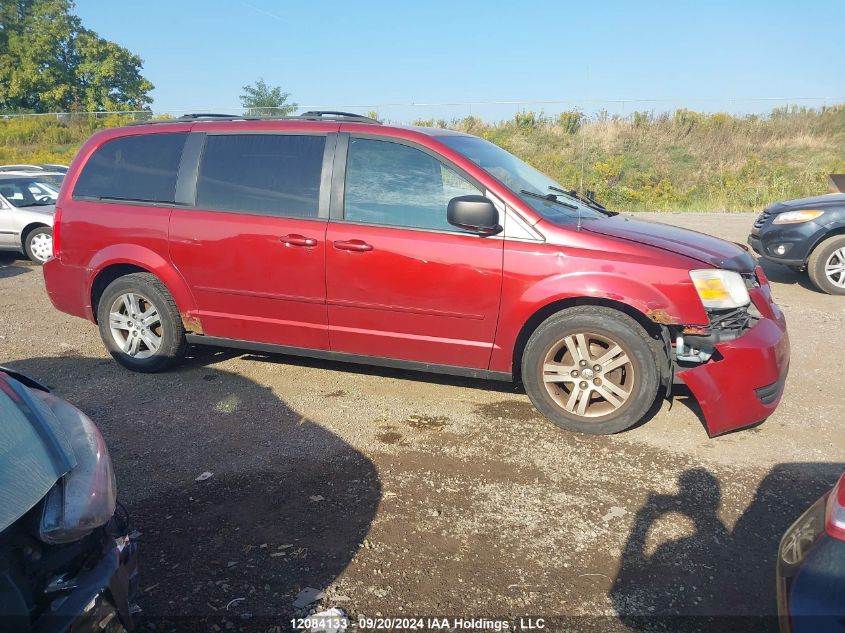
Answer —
742 383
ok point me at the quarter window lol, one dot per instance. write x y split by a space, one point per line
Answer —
139 168
396 185
267 174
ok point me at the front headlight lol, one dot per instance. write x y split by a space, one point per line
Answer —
720 289
796 217
85 497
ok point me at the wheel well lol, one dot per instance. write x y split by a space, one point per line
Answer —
825 237
105 277
653 329
29 228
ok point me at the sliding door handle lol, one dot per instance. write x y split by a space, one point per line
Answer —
356 246
294 239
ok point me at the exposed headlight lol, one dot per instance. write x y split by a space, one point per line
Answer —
796 217
85 497
719 289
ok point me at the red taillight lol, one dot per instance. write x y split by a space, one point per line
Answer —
834 523
57 221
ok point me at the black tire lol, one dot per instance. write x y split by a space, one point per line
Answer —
617 328
173 344
817 261
30 238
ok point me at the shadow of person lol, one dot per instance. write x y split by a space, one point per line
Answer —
286 503
11 267
704 576
660 583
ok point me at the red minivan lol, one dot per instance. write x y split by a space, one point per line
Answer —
334 236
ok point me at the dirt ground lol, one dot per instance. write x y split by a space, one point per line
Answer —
405 494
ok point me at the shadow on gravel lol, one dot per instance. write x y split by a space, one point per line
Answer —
783 275
715 578
11 266
287 506
375 370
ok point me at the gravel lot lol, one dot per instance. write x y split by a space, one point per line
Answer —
401 493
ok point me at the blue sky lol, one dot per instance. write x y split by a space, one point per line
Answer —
702 55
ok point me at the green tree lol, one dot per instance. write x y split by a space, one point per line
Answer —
260 99
50 62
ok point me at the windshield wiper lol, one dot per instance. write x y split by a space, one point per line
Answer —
588 201
549 197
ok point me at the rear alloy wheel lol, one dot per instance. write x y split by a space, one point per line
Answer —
140 323
135 325
826 266
590 369
39 244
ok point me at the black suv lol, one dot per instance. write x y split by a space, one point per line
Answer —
806 235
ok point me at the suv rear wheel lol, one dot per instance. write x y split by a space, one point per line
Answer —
590 369
140 324
826 265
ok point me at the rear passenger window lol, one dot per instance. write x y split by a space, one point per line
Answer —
142 168
268 174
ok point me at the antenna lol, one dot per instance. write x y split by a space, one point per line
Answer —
581 180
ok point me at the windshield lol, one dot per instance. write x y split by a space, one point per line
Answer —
28 192
53 180
520 178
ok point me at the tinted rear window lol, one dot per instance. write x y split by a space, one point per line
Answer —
269 174
141 168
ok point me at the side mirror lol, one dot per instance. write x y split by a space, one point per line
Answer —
474 213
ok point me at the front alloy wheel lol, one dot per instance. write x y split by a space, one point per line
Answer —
588 374
834 268
591 369
826 265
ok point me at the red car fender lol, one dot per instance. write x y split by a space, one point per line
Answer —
650 300
136 255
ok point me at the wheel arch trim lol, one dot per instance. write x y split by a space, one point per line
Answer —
128 258
29 228
652 309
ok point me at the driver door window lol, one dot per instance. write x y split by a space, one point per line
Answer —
390 184
16 194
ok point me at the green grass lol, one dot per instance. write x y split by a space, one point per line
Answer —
685 160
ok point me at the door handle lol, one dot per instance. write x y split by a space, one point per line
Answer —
357 246
294 239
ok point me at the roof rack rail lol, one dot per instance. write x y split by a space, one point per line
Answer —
213 117
335 114
311 115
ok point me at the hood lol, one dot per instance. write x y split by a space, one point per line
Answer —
47 209
827 200
704 248
34 450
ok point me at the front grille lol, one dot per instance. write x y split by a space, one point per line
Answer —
762 218
730 319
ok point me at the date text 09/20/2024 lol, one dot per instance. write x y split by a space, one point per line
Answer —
316 623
